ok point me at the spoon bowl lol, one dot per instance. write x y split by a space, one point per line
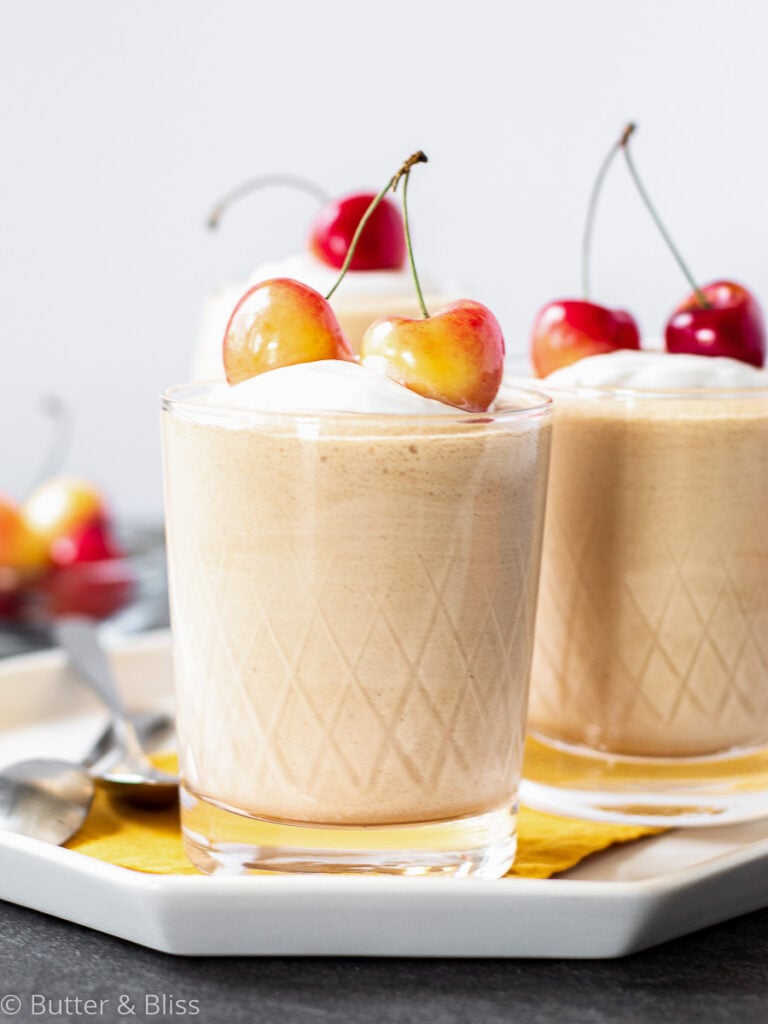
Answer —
132 778
49 799
149 788
45 799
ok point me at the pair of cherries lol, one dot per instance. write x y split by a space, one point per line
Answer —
59 555
455 356
730 325
58 550
719 319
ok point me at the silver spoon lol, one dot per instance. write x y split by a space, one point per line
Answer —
45 799
48 799
132 777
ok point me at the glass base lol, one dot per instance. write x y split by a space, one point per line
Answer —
219 840
674 792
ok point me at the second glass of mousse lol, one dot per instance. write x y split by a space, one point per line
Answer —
353 597
649 697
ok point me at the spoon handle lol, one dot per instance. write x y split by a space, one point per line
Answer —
79 638
148 725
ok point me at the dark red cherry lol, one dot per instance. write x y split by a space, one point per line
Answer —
731 325
381 245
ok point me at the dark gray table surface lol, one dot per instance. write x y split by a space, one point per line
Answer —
718 975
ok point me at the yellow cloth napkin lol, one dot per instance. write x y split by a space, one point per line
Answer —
150 840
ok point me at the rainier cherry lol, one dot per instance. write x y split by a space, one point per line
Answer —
23 553
455 356
570 329
57 551
277 323
62 504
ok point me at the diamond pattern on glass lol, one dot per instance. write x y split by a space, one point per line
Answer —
416 693
690 623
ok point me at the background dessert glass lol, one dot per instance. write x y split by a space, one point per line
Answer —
352 600
649 692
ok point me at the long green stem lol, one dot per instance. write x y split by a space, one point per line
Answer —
358 231
586 243
256 184
409 247
700 296
418 157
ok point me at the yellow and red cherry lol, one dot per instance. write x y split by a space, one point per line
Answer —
23 553
567 330
57 552
61 505
455 356
278 323
381 246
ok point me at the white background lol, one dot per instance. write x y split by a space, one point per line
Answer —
123 122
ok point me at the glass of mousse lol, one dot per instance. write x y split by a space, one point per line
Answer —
353 573
649 692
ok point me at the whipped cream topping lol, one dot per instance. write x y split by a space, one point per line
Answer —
328 385
357 283
628 368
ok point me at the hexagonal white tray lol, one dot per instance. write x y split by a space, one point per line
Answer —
614 903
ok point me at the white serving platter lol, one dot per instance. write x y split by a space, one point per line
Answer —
626 899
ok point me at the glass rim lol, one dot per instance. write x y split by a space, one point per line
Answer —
625 392
188 398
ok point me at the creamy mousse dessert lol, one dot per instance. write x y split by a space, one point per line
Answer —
652 635
354 586
354 545
649 687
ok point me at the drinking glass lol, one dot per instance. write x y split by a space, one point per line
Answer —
352 600
649 693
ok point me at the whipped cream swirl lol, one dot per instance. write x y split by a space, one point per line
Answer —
328 385
628 368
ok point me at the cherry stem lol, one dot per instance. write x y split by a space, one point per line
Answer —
624 144
586 244
409 246
60 415
416 158
256 184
